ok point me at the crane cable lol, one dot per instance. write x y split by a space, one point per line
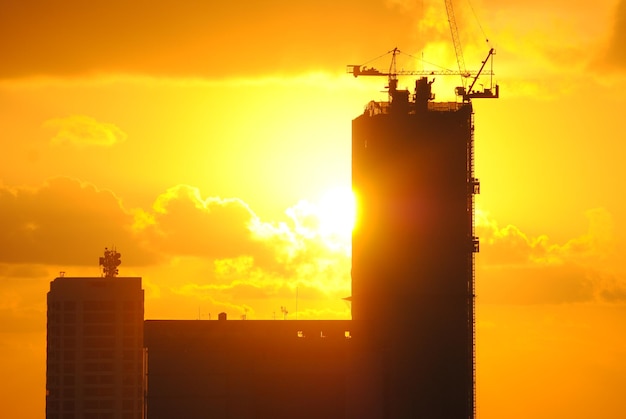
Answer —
380 56
478 20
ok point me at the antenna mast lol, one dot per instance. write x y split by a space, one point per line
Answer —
110 262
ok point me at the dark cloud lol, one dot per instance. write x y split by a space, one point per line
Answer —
513 267
65 222
191 37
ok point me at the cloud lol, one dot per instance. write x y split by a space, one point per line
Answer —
218 249
84 131
182 222
237 259
64 222
516 268
187 37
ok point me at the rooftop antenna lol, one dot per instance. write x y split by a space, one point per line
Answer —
110 262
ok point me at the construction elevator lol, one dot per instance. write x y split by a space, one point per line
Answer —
413 258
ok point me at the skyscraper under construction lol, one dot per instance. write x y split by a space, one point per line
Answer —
413 256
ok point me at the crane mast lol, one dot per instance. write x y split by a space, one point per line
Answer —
456 41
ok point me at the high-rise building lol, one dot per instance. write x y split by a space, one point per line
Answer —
95 356
412 258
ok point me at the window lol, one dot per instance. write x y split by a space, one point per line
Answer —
91 379
99 330
106 379
106 404
93 354
91 404
99 342
99 367
99 392
98 317
99 305
130 367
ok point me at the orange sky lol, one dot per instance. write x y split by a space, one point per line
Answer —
208 142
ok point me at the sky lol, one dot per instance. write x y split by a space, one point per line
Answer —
209 142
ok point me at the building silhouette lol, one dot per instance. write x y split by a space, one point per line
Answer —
247 369
412 258
408 352
95 356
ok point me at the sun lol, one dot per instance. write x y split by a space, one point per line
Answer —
336 211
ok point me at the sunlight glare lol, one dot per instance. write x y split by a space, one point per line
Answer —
336 212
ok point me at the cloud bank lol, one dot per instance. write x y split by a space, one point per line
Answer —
219 250
513 267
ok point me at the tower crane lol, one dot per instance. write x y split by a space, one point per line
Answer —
458 51
466 94
460 91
